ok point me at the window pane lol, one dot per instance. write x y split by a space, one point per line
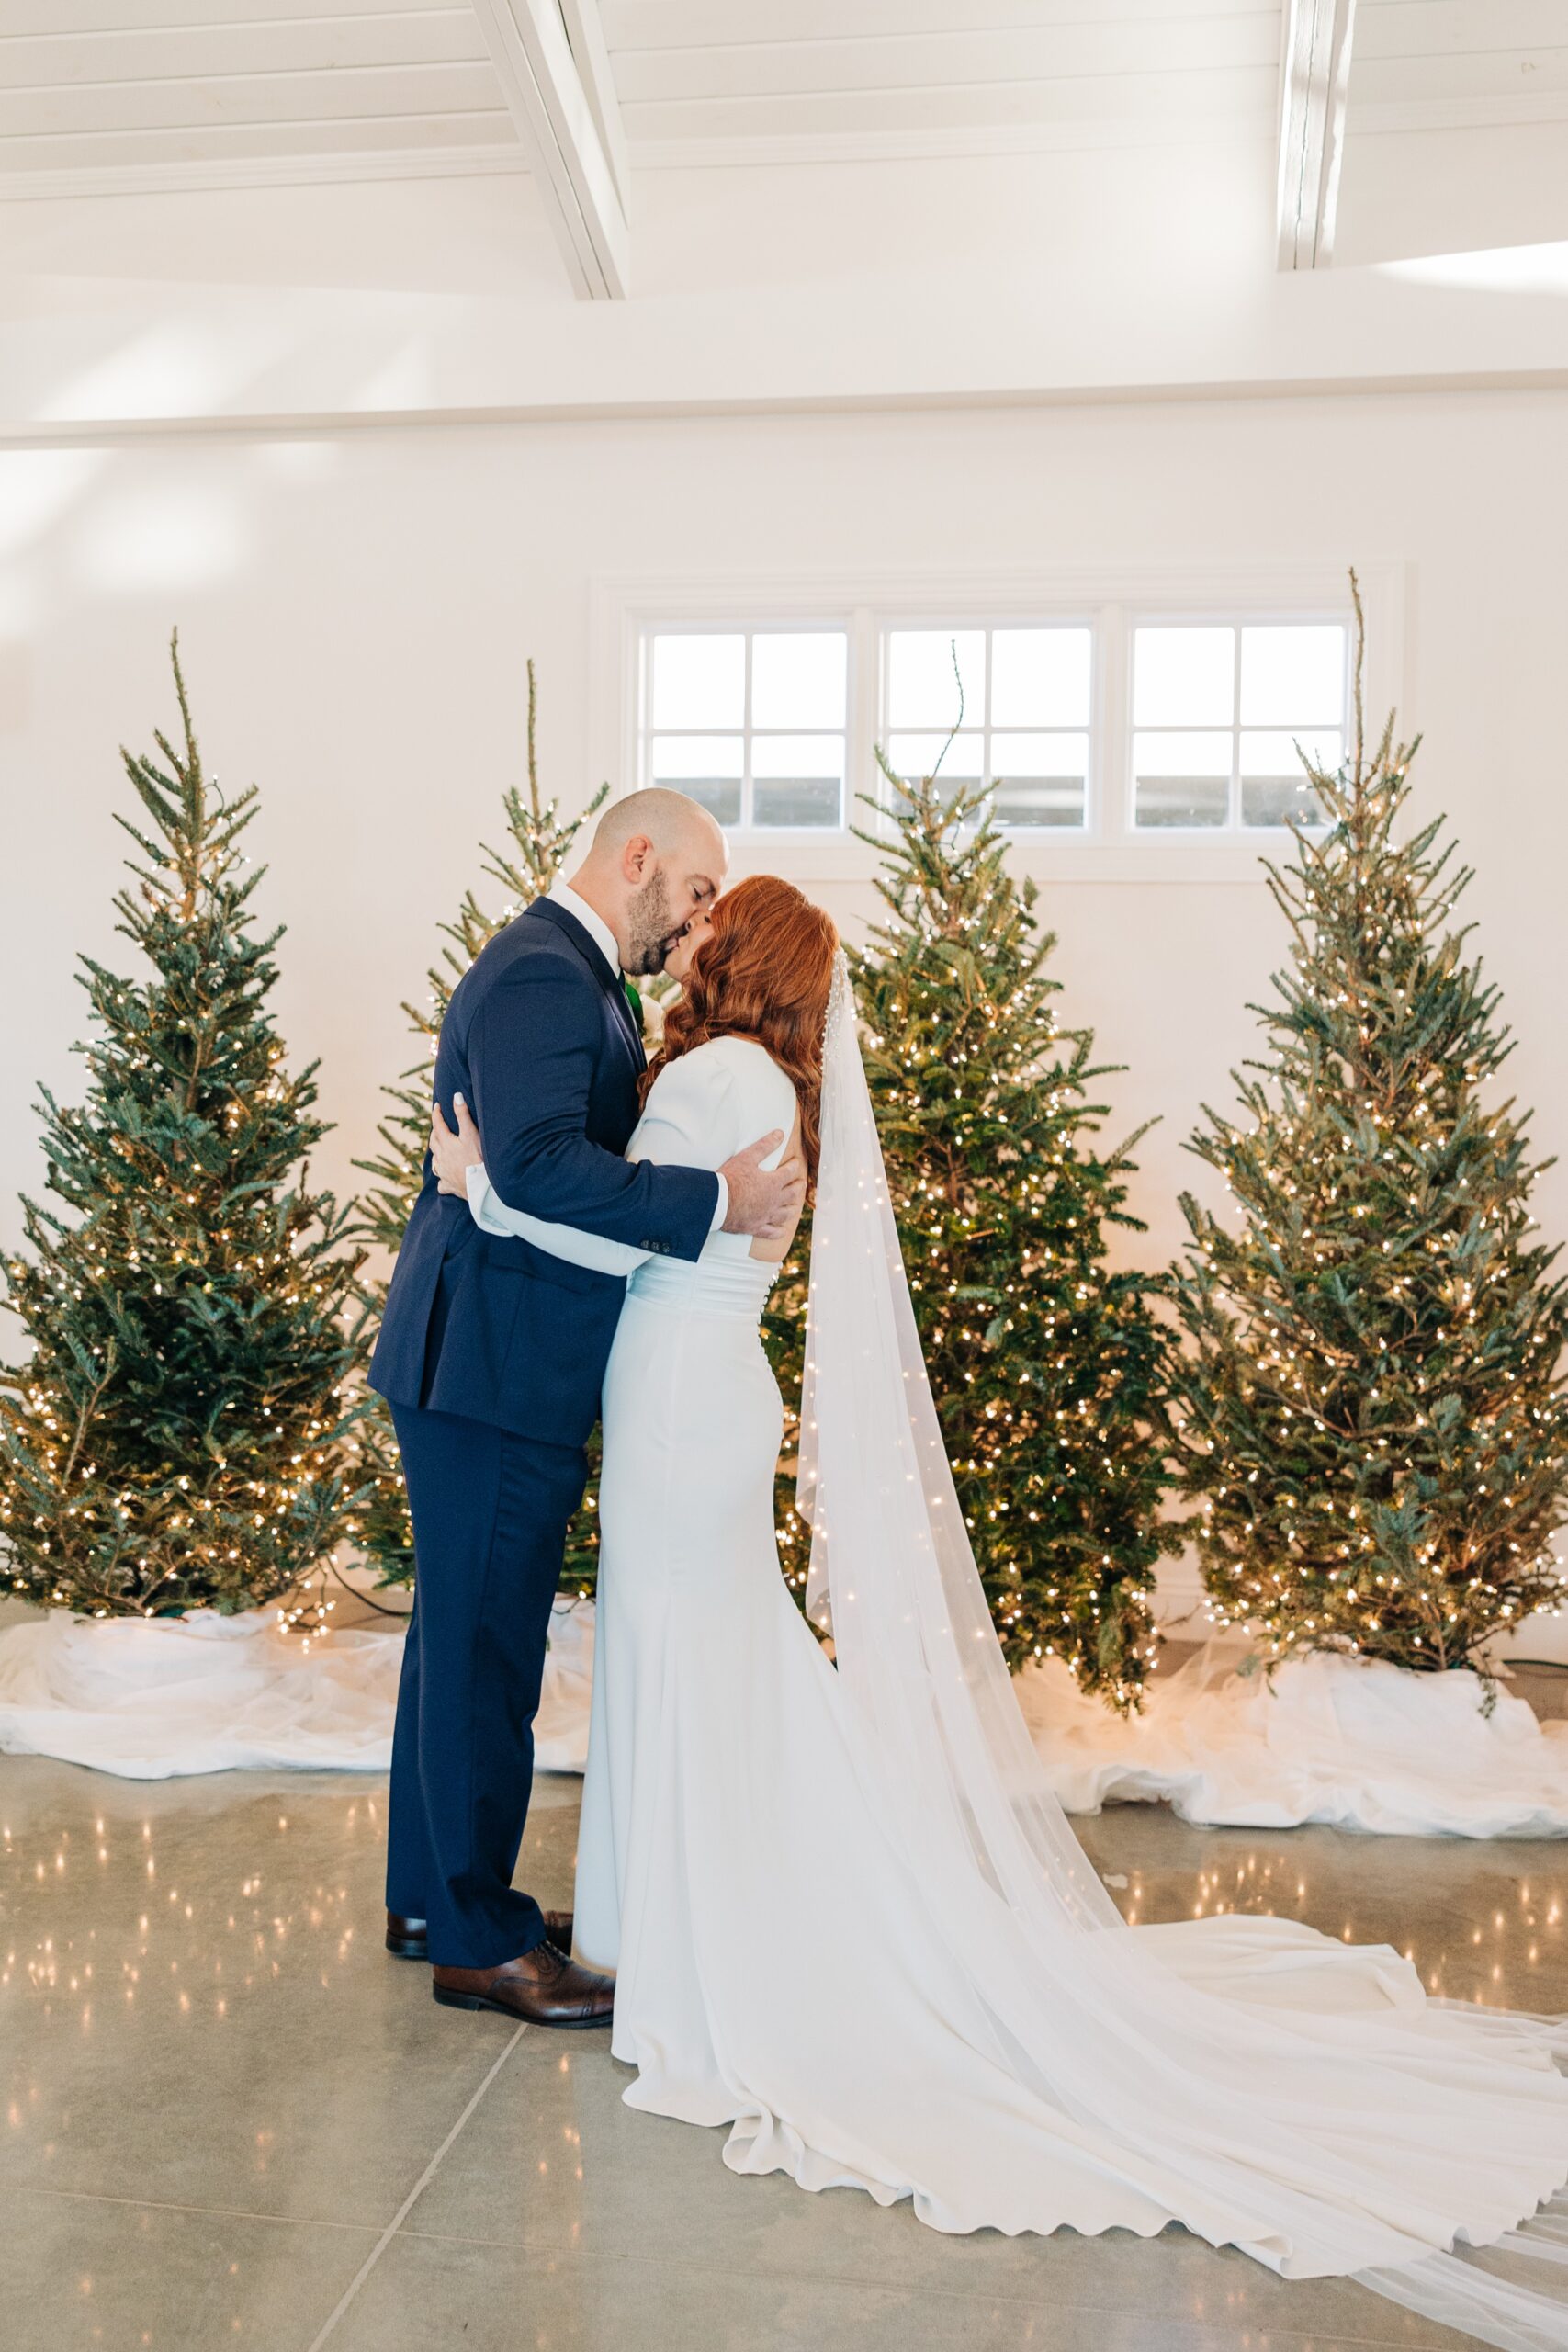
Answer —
1274 784
797 779
1182 779
1040 677
709 767
1276 752
921 688
1274 800
917 755
1183 677
1055 801
1039 779
800 800
698 681
1293 677
797 678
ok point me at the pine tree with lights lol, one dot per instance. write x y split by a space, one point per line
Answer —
539 841
1374 1417
178 1437
1048 1368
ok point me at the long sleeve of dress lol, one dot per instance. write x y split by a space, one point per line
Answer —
491 1214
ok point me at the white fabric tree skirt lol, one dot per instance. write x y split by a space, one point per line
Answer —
1350 1742
151 1699
1353 1742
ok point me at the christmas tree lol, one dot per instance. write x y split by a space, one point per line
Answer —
1049 1369
538 844
1374 1419
178 1437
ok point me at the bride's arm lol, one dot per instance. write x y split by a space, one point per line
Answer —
491 1214
460 1167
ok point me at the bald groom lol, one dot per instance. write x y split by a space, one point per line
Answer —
491 1356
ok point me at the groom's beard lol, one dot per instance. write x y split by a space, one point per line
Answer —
651 933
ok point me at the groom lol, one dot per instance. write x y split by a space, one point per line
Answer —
491 1354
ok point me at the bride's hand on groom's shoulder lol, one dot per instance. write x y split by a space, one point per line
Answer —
452 1155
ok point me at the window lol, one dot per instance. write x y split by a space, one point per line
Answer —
1101 721
1024 698
751 722
1218 713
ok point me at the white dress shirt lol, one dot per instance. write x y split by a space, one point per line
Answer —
604 939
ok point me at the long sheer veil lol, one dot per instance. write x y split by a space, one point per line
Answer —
1315 2107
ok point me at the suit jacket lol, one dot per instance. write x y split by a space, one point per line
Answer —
540 1042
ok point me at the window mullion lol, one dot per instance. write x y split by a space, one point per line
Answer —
1234 799
865 716
747 817
644 707
1110 815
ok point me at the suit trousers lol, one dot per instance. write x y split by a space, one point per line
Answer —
491 1512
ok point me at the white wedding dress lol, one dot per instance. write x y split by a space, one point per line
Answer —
846 1918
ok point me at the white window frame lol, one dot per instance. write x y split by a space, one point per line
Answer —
886 623
736 625
1108 847
1296 612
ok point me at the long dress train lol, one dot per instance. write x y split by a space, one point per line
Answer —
848 1951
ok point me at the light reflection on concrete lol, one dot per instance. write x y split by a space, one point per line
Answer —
219 2091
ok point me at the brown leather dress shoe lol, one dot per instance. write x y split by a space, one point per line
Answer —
539 1988
407 1939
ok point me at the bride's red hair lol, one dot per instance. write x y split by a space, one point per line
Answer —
765 970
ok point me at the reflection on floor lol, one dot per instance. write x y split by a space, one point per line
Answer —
231 2119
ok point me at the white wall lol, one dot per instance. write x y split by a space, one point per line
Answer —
356 611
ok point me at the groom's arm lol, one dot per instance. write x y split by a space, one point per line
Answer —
531 1049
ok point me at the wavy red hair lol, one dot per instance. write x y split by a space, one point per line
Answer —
765 971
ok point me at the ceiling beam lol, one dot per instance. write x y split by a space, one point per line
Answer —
1314 85
586 35
563 104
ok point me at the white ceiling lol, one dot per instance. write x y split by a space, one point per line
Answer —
176 91
124 93
869 76
1446 64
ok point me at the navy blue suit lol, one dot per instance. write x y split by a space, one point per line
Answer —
491 1354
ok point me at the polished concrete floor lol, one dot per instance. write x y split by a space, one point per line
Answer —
231 2120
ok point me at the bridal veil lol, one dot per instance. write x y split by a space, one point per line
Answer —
1269 2087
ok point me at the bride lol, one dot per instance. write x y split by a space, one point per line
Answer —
848 1918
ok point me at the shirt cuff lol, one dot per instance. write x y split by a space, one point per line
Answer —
723 1209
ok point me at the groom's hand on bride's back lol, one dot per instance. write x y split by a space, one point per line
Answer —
764 1201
